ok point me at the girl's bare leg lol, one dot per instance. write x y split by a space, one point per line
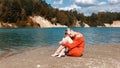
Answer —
62 52
58 50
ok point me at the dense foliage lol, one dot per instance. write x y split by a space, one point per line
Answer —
17 11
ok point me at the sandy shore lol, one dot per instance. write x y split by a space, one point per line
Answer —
95 56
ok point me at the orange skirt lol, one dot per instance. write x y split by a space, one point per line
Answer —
77 52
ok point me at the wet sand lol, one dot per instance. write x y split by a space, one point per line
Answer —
95 56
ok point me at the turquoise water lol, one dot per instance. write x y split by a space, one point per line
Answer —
30 37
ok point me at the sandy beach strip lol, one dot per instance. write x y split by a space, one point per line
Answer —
95 56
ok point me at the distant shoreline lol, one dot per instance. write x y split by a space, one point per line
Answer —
41 22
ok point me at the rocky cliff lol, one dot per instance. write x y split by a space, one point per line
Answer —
41 22
44 23
114 24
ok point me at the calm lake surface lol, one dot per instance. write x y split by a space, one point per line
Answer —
11 39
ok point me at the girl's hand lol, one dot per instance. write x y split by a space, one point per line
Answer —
62 43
